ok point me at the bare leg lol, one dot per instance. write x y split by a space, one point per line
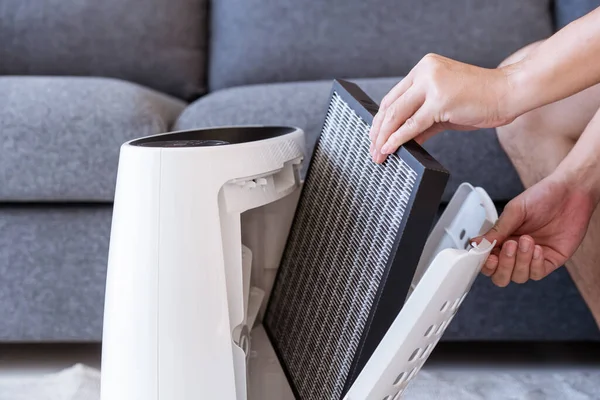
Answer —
536 143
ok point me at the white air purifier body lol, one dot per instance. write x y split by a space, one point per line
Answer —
204 221
178 292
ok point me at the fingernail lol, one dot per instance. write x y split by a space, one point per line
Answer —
386 149
537 252
511 249
524 245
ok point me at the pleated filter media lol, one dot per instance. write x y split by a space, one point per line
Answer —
352 251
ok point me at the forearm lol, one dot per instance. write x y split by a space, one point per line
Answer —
565 64
581 167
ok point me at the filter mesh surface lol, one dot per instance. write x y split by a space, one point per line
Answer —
337 253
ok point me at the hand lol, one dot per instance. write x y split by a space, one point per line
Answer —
538 231
437 95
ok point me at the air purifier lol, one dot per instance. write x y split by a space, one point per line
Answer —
179 300
232 277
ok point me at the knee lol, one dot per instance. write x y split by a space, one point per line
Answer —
516 138
520 54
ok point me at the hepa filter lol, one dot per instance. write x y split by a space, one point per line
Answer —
357 237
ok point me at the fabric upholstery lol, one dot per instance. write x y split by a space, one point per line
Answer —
474 157
53 265
549 310
62 129
157 43
61 136
259 41
53 269
567 11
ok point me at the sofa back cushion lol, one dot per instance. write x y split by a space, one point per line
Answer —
568 11
257 41
157 43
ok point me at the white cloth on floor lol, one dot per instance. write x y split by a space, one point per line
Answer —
76 383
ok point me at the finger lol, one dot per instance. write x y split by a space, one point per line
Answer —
490 265
372 150
398 113
398 90
377 120
510 220
506 264
429 133
536 272
378 157
521 272
412 127
549 266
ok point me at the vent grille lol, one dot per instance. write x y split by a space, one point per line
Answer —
337 255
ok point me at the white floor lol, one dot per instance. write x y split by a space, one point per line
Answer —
454 371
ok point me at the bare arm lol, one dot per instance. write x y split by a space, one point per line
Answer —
566 63
440 93
443 94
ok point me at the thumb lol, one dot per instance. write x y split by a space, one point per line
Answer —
509 221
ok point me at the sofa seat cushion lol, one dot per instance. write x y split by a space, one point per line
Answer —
549 310
474 157
61 136
53 266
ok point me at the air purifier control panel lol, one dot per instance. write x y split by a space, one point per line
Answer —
185 143
213 136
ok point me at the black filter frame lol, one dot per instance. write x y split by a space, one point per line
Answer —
410 239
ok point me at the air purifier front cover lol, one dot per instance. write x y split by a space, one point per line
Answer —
357 237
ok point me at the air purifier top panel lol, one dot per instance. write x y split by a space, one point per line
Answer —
213 136
352 251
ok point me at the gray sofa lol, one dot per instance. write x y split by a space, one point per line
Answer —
80 77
